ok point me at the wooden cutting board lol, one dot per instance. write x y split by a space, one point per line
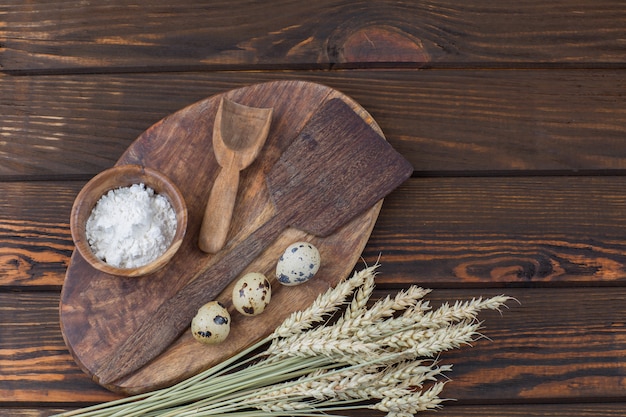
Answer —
98 312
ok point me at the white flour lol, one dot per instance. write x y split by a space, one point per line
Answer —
131 226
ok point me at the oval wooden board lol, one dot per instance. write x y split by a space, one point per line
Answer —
98 312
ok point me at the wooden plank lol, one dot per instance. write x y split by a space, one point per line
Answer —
503 231
31 412
442 121
565 345
450 409
35 365
456 232
34 231
534 353
530 410
55 35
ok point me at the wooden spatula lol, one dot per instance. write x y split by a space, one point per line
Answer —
239 133
336 168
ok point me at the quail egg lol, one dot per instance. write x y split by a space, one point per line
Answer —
211 324
298 264
251 294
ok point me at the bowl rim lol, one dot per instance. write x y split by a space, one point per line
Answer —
77 230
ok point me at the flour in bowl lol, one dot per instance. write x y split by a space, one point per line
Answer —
131 226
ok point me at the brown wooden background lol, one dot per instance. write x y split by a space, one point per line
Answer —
512 112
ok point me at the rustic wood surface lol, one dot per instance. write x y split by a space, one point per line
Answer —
113 349
512 113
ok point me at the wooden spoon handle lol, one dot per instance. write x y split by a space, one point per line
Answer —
219 210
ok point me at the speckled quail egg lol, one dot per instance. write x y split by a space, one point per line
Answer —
252 293
298 264
211 323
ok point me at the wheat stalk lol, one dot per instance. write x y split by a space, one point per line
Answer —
324 305
322 360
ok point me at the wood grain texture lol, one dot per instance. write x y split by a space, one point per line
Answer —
503 231
441 121
543 347
110 323
35 241
538 340
31 411
35 365
511 112
530 410
59 36
449 410
474 231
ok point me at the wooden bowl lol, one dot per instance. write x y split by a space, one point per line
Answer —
124 176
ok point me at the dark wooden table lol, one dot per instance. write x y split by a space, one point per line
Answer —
513 114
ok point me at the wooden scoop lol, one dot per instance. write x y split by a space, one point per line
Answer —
337 168
239 133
